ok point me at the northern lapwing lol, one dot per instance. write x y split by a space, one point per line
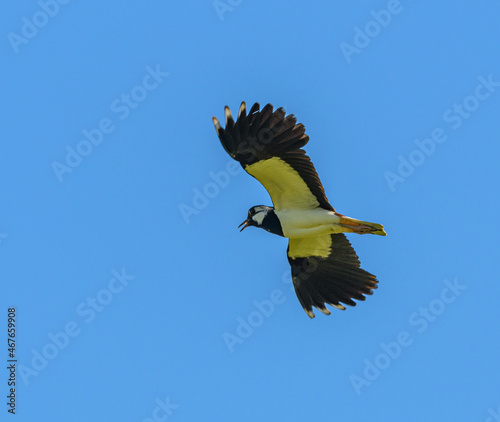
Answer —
325 268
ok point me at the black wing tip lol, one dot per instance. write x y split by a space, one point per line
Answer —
336 280
242 112
310 313
255 109
259 134
217 125
314 297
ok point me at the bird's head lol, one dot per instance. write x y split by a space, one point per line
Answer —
256 216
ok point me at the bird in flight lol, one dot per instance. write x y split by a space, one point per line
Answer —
325 268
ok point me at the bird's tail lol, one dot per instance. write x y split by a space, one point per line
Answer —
351 225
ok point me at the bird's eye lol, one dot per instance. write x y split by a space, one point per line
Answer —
251 211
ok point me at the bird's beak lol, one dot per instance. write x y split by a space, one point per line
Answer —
246 224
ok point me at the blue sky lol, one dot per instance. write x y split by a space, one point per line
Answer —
130 308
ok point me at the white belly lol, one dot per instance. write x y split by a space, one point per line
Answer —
305 223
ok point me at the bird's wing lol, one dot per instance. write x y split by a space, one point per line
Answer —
326 270
268 145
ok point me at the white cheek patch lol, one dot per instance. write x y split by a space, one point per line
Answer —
259 217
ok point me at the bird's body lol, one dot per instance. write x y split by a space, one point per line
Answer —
325 268
318 221
309 222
